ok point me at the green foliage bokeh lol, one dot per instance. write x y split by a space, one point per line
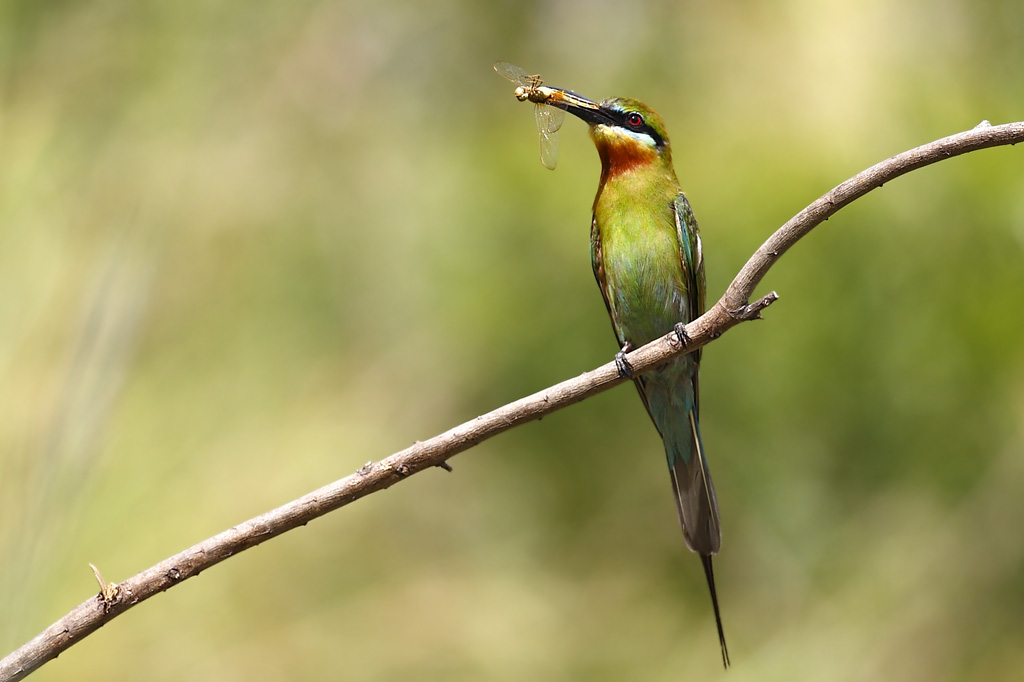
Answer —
246 247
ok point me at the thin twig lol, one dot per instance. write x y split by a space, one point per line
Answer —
730 310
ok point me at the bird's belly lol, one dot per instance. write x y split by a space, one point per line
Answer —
647 296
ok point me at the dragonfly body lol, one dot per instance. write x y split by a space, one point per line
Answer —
549 116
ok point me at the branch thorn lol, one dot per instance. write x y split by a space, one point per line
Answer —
109 592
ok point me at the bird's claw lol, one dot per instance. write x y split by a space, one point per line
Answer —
680 330
622 364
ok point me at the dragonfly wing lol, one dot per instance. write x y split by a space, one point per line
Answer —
549 118
548 149
512 72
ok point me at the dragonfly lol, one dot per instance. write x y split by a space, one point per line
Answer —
549 116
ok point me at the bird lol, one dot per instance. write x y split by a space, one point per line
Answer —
647 258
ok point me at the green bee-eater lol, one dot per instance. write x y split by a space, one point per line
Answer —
647 259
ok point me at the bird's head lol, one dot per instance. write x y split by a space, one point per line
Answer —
627 133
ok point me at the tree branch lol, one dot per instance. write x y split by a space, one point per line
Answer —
730 310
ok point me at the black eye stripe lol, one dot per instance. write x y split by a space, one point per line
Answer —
625 122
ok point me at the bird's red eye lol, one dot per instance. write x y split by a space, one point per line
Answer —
635 119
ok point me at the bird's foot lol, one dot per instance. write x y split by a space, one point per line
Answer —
680 330
622 364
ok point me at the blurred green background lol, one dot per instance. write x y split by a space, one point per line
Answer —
247 246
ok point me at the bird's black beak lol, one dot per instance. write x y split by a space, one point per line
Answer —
579 106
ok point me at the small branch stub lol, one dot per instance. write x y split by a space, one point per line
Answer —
752 311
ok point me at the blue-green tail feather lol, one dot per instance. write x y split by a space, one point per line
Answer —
672 402
673 407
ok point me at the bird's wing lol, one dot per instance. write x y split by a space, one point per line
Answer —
691 256
597 261
695 494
